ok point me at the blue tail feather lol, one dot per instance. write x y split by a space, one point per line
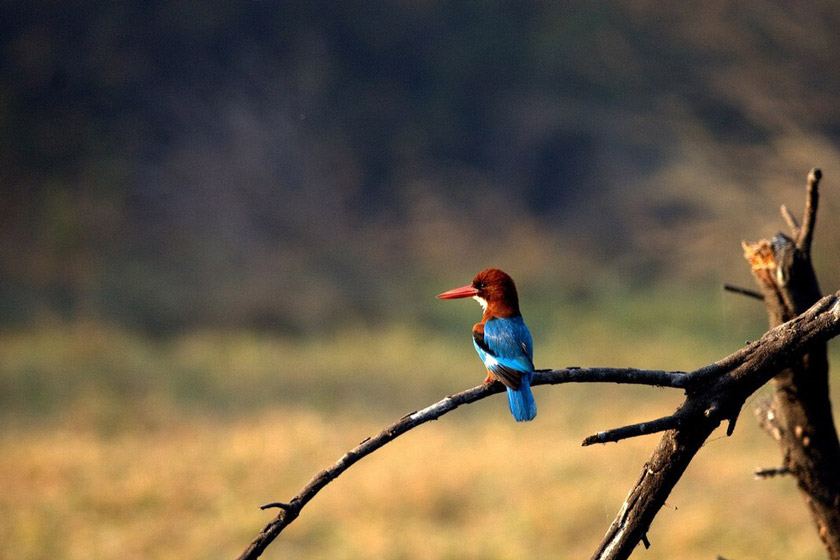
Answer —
521 400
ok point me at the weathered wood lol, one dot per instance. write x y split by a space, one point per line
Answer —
713 394
793 354
290 510
799 418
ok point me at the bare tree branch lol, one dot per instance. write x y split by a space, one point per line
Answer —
290 510
743 291
806 233
656 378
771 472
791 220
713 393
634 430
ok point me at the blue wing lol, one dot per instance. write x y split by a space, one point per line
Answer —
505 347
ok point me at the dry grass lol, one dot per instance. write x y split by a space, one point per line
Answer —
477 488
135 465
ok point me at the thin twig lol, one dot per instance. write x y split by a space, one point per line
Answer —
791 220
806 233
743 291
770 473
634 430
645 541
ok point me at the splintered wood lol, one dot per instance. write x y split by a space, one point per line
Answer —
762 259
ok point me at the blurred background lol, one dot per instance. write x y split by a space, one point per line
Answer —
223 225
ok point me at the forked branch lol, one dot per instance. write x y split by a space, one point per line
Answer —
290 510
714 393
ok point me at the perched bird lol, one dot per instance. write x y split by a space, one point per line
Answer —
502 339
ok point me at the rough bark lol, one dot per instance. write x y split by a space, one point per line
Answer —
714 393
799 417
289 511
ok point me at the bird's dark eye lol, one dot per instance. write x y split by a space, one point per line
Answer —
480 285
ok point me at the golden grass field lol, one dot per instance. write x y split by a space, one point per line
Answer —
119 446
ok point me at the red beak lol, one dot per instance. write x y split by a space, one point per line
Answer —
462 292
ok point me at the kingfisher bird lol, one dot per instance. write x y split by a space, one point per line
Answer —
502 339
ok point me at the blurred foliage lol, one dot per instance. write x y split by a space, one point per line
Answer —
295 166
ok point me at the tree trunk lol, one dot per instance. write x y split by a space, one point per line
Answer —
799 416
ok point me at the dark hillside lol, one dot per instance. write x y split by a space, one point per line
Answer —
296 165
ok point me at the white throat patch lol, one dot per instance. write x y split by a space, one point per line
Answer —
482 302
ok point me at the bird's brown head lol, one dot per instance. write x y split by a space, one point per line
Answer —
493 289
